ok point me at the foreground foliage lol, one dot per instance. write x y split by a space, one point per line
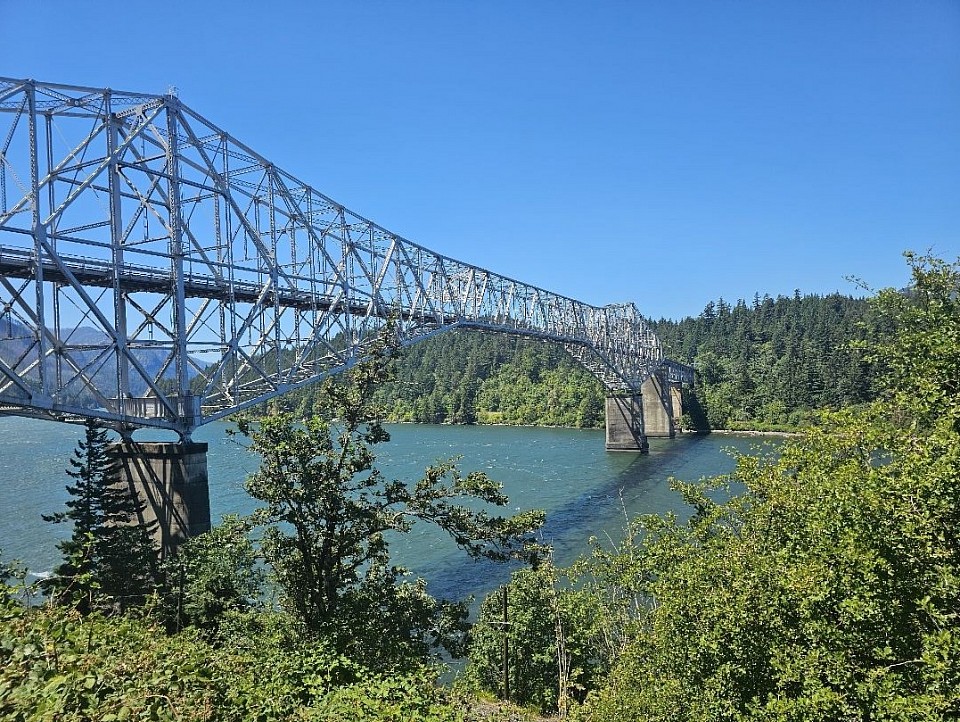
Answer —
556 650
350 639
328 510
56 664
107 562
210 576
830 588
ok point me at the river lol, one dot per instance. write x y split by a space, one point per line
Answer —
584 490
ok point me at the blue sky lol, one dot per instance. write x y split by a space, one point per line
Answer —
666 153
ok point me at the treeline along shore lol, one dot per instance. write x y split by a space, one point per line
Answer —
761 366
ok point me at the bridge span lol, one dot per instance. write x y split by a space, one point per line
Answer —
155 272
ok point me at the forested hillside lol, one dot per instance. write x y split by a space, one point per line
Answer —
770 363
759 366
468 377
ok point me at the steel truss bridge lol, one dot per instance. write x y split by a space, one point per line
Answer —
157 272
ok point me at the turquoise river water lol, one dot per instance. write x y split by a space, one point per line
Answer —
584 490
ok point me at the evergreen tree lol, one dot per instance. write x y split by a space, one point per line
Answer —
108 562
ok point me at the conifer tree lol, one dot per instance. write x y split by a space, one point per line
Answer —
108 562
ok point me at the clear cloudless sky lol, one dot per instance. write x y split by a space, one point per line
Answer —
666 153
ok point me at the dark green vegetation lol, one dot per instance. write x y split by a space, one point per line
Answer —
328 511
60 666
827 589
339 634
107 563
469 377
822 583
769 364
556 646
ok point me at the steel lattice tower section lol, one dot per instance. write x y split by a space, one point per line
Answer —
156 272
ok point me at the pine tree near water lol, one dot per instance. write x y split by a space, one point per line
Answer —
108 563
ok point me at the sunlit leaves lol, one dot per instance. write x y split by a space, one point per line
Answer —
830 589
328 512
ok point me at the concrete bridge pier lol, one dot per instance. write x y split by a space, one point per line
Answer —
170 479
632 419
658 406
624 421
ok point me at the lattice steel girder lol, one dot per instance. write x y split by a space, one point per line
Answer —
154 271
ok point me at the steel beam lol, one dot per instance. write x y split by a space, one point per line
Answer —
185 268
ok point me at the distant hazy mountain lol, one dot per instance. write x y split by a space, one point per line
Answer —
16 339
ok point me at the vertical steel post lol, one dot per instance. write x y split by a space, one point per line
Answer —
274 270
231 386
172 107
56 292
39 241
116 250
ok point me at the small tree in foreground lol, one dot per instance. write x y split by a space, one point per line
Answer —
108 562
555 646
210 576
328 512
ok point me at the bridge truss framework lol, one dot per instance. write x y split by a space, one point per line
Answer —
145 252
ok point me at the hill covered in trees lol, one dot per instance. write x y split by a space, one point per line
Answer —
770 363
759 366
469 377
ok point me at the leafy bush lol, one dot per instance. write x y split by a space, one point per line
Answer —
555 648
327 512
210 575
55 664
830 589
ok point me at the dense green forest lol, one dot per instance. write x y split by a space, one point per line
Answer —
770 363
767 365
470 377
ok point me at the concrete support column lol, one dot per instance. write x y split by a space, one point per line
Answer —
170 479
624 416
676 398
658 417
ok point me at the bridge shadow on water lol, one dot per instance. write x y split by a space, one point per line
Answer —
638 487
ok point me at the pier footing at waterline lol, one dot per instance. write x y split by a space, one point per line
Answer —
624 423
632 419
170 479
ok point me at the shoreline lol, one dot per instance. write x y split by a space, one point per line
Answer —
730 432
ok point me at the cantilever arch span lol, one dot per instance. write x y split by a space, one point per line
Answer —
170 479
68 241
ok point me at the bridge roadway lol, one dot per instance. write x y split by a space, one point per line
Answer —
224 286
20 263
